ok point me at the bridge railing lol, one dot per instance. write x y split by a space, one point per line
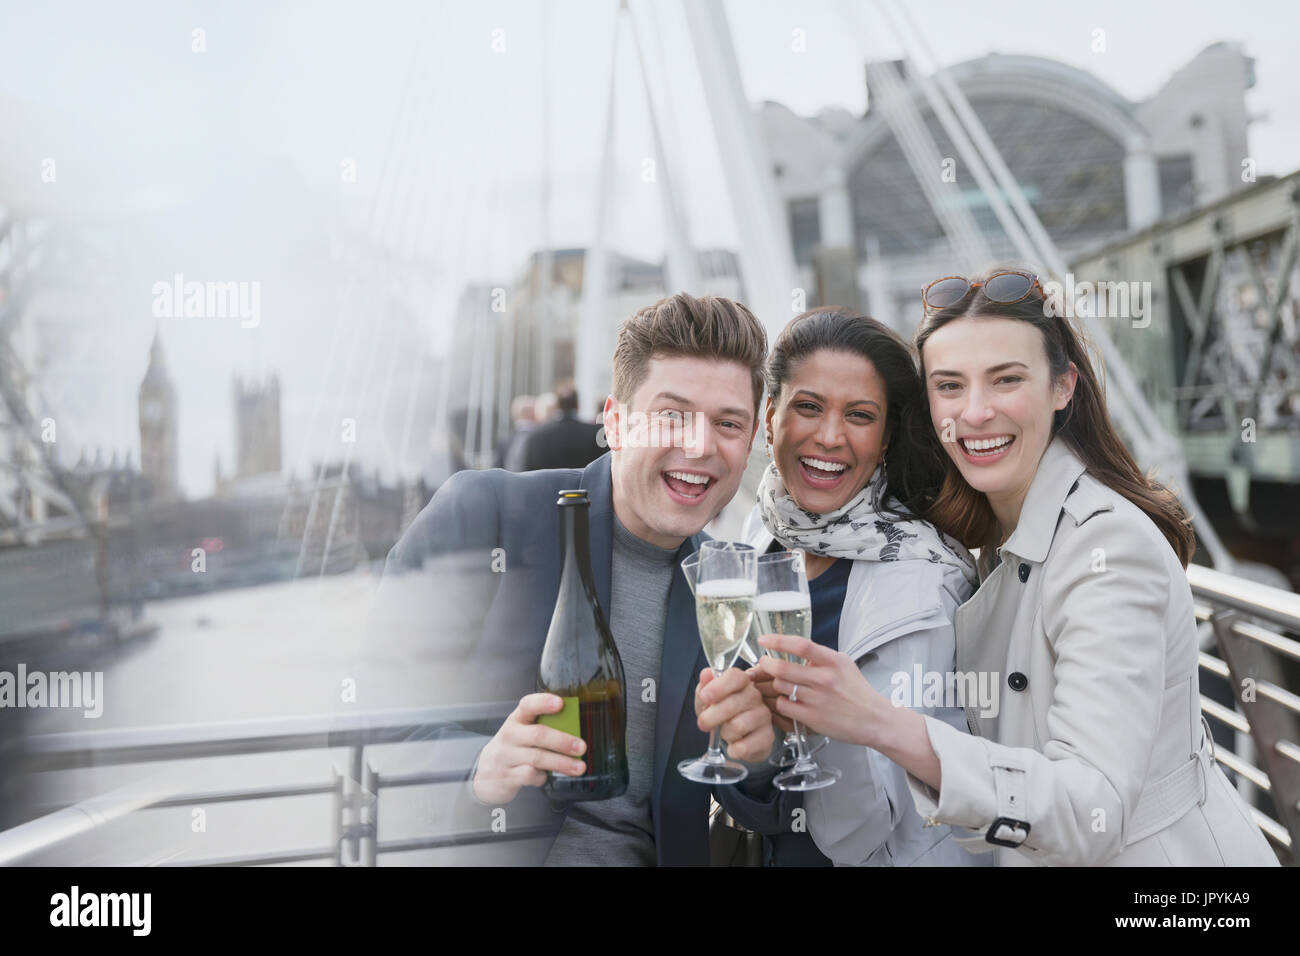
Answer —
355 791
1253 628
1250 625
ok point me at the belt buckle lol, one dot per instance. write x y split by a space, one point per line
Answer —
1017 826
1205 771
1209 735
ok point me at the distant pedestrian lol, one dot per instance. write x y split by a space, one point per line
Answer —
544 409
567 442
510 453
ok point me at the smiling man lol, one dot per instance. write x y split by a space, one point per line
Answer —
687 381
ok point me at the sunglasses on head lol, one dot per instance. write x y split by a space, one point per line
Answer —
1001 287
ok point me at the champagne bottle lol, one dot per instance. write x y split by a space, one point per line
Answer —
580 664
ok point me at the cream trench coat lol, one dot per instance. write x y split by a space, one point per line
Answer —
1098 754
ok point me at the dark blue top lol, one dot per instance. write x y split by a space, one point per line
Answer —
826 593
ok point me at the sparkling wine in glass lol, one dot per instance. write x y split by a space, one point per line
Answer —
783 606
750 652
724 606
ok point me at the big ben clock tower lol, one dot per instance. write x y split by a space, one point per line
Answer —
158 431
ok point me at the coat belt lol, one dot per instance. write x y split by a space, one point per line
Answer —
1166 801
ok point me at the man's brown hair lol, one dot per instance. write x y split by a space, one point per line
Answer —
708 327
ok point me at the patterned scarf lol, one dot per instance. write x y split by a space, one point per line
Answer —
856 531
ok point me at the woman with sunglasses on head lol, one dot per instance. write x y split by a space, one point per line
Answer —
846 481
1097 753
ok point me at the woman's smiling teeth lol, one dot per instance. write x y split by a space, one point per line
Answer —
819 473
980 447
830 467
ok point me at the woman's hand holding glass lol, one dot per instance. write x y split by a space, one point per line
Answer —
832 696
783 606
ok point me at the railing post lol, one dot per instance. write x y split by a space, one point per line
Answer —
1270 722
370 833
355 803
339 812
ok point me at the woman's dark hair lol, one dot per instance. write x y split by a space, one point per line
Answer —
1084 425
913 469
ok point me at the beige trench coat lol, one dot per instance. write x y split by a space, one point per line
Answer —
1096 752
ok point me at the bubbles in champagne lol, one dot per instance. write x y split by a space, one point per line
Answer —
784 612
723 608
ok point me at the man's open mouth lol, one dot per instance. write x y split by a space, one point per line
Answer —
688 485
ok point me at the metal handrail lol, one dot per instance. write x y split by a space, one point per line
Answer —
354 731
1257 600
29 838
1253 627
234 738
1212 708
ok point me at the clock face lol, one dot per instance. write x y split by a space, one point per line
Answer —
152 410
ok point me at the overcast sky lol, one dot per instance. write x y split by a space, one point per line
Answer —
227 163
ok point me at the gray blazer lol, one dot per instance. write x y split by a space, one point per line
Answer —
1097 754
501 620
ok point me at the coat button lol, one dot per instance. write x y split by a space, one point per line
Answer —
1024 572
1017 680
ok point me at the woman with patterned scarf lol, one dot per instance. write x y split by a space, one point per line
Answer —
845 486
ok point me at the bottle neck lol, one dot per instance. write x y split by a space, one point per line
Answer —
577 548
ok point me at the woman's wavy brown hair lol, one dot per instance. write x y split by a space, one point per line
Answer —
1084 425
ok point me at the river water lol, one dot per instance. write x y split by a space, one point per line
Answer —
282 650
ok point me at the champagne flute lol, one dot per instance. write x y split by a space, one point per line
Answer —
724 606
789 751
750 652
784 607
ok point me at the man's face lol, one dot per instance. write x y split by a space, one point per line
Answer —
680 446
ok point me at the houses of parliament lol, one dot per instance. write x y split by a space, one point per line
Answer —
257 526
